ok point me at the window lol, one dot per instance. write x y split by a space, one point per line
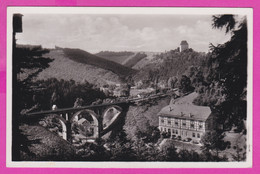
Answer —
192 125
162 121
164 129
176 123
193 134
183 124
169 122
176 131
169 130
200 126
173 131
198 135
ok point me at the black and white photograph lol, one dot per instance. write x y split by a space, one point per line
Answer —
125 86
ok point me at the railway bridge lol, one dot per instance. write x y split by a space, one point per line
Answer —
99 119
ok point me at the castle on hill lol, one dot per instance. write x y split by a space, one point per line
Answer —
184 45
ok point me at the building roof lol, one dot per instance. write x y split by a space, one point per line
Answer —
186 111
184 42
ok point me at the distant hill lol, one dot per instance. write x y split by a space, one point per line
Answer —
134 60
126 58
149 59
64 67
118 57
90 59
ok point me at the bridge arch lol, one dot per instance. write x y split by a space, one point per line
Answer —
62 121
111 115
85 122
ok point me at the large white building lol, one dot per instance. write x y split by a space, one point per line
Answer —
186 120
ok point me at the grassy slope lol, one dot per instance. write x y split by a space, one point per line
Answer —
90 59
64 68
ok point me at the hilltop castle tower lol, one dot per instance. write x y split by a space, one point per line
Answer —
184 45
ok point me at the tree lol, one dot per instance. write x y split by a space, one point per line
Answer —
78 103
230 66
240 154
196 75
185 84
29 62
146 151
186 155
221 21
169 152
230 58
213 142
121 148
150 134
125 90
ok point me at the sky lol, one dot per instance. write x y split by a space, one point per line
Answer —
120 32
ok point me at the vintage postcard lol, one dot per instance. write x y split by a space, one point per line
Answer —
129 87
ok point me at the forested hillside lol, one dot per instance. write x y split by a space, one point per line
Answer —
90 59
150 58
42 94
171 63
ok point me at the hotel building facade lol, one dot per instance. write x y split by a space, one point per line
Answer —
186 121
